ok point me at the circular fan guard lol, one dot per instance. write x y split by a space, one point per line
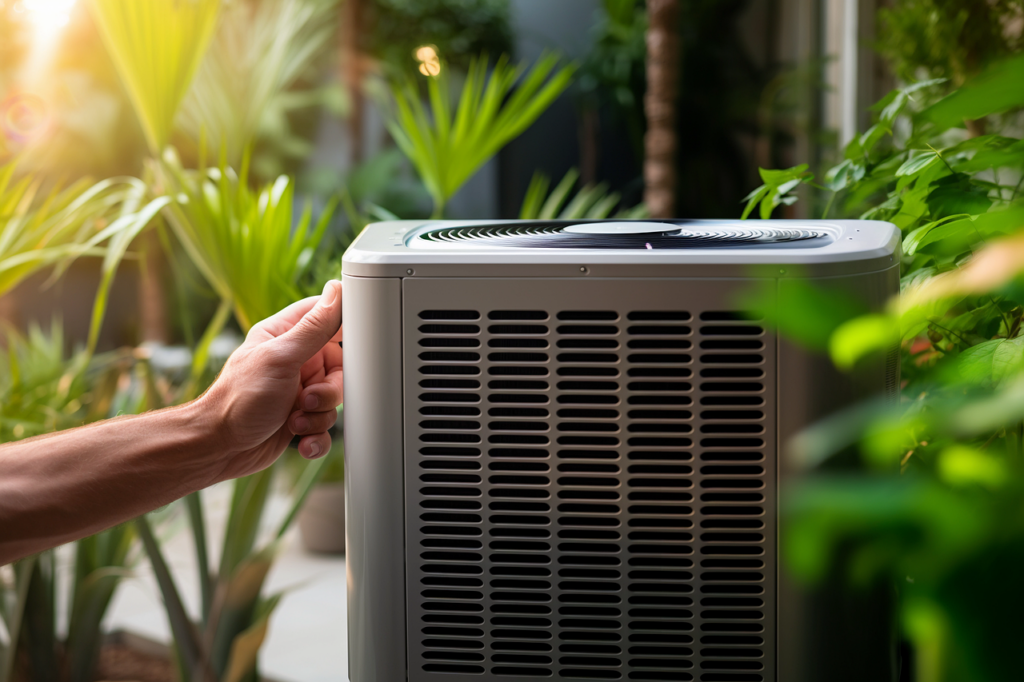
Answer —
554 236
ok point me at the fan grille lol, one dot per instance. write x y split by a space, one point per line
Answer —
590 492
553 235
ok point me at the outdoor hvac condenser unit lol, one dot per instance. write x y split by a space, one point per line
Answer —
563 450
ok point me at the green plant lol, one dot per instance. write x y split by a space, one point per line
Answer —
246 84
949 530
592 202
951 39
43 390
241 239
157 48
490 113
40 230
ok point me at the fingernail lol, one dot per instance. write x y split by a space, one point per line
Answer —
301 424
311 402
314 450
330 293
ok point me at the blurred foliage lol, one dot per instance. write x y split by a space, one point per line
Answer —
591 202
459 30
264 64
44 389
157 48
612 75
40 230
951 39
492 110
41 389
950 529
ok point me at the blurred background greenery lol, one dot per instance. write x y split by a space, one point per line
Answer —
171 172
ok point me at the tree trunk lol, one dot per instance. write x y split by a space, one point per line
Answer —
589 145
660 107
152 295
352 73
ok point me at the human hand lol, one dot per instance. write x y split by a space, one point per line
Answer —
284 380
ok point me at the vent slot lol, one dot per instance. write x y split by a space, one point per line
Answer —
517 315
580 506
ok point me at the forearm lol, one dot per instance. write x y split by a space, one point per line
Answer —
64 486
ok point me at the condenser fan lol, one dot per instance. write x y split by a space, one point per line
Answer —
564 450
615 235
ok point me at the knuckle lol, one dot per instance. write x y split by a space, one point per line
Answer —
270 354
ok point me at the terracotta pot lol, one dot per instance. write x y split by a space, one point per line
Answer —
322 519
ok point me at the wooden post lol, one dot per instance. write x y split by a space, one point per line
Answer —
660 107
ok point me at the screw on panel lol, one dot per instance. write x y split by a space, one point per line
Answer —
583 270
408 272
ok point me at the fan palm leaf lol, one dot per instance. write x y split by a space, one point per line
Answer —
446 148
156 46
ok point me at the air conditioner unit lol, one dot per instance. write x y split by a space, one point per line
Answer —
563 450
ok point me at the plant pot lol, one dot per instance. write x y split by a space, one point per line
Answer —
322 519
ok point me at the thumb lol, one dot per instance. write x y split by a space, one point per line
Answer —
316 328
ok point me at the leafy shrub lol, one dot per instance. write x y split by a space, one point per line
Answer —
950 530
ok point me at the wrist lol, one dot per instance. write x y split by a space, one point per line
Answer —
203 418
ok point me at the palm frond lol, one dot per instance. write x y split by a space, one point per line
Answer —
157 46
493 110
241 239
591 202
258 51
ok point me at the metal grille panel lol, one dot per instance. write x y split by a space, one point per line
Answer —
590 482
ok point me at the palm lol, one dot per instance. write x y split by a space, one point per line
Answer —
263 387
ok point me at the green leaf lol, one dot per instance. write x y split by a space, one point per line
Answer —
846 173
861 336
996 90
230 230
992 361
253 72
961 465
12 609
186 637
776 188
491 112
957 195
915 239
311 473
535 193
156 47
753 199
916 164
956 233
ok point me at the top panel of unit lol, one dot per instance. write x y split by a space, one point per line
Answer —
541 248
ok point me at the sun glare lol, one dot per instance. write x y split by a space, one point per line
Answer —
46 16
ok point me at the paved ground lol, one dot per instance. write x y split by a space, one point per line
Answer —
307 641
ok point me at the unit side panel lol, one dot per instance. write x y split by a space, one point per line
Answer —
374 494
590 481
828 630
